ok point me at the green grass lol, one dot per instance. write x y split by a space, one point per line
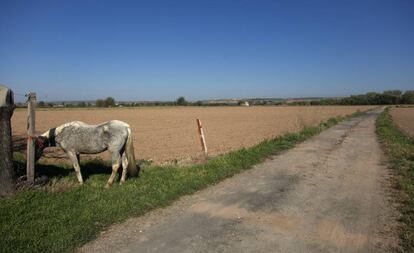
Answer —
59 219
399 149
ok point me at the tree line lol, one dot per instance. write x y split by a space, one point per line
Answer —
389 97
110 102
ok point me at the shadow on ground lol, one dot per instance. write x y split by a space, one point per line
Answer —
88 168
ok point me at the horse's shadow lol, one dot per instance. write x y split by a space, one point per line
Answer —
93 167
88 169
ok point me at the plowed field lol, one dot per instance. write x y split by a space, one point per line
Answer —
167 134
404 118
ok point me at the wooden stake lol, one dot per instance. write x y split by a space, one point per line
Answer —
31 119
202 139
6 148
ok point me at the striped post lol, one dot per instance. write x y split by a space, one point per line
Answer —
202 138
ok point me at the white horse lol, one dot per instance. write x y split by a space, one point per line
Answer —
77 138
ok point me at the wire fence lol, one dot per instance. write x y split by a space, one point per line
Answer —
18 94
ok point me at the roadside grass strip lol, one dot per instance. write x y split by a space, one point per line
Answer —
63 216
399 149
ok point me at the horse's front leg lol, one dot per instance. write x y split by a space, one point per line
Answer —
116 163
74 158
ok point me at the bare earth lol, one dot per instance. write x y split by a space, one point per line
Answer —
404 118
165 134
328 194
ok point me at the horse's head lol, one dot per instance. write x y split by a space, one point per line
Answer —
41 143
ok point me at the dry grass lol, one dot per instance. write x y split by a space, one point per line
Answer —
399 149
170 134
404 118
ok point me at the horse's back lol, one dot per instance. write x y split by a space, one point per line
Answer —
83 125
85 138
72 124
116 122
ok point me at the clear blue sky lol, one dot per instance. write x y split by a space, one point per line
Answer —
159 50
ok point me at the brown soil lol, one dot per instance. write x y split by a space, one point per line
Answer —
168 134
404 118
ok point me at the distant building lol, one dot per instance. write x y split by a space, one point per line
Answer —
245 103
222 102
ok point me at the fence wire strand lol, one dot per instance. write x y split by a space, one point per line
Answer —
18 94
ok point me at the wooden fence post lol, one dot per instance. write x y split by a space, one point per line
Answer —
202 139
6 147
31 119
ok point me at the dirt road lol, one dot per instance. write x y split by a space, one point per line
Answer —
328 194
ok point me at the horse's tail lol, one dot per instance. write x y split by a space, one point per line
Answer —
132 168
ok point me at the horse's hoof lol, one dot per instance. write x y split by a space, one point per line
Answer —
121 182
107 186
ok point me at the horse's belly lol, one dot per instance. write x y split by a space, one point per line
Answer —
91 149
83 147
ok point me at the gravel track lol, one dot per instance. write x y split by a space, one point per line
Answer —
328 194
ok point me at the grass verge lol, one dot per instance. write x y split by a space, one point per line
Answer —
40 220
399 149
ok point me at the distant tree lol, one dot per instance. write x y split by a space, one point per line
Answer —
371 98
385 99
181 101
109 102
100 103
394 95
82 104
41 104
408 97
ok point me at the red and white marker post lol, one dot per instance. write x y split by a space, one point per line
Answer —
202 138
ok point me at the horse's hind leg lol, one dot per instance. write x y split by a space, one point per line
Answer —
74 158
116 163
124 168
